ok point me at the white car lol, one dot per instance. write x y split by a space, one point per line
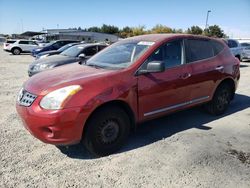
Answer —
235 48
245 55
20 46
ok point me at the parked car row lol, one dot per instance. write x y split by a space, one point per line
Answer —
100 100
72 54
55 45
53 54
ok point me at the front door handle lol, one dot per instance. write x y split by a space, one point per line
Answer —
185 76
219 68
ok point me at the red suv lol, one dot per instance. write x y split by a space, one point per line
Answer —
134 80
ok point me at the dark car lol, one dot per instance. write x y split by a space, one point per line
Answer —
71 55
54 52
52 46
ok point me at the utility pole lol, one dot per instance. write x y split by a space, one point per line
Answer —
22 25
207 19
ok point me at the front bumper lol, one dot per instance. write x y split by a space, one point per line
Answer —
58 127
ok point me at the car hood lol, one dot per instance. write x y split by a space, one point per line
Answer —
55 59
44 82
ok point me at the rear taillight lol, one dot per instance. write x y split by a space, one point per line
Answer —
7 45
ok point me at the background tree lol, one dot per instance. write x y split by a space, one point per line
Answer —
94 29
177 30
110 29
214 31
139 30
126 32
161 29
195 30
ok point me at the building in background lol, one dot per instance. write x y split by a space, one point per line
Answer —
81 35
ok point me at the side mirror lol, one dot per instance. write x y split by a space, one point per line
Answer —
153 67
82 56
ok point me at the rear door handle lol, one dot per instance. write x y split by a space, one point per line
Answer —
219 68
185 76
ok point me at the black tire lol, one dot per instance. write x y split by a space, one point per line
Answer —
106 131
221 100
16 51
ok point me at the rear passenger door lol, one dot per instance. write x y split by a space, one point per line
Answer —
206 68
24 45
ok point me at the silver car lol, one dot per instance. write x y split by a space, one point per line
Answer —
245 55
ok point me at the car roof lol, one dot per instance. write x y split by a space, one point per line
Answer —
161 37
89 44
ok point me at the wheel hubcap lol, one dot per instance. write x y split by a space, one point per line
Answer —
109 131
223 100
16 51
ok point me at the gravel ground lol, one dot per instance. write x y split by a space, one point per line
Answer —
186 149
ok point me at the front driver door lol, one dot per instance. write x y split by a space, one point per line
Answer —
160 93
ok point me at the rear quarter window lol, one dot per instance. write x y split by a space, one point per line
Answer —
217 46
198 49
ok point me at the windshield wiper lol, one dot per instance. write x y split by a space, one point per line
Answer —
94 65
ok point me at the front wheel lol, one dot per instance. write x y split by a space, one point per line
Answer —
106 131
221 100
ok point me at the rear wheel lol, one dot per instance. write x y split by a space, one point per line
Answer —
106 131
16 51
221 100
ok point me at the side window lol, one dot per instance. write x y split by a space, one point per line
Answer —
89 51
101 48
156 55
172 55
198 50
23 42
217 46
58 45
32 43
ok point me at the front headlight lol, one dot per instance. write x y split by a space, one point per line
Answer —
39 67
42 56
56 99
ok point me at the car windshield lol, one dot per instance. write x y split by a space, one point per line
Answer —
73 51
119 55
64 47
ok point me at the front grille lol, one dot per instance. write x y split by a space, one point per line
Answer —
25 98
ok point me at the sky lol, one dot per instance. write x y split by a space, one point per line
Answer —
17 16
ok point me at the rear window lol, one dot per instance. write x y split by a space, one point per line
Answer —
197 49
11 41
232 44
